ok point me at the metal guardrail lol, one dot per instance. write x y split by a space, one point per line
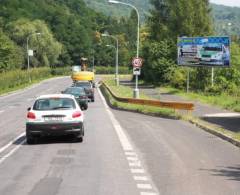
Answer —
157 103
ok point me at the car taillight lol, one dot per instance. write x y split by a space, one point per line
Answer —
76 114
31 115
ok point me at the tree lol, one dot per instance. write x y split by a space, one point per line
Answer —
168 20
11 55
46 47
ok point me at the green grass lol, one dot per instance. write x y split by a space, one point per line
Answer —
124 91
121 90
222 100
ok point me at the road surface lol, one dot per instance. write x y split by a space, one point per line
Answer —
122 154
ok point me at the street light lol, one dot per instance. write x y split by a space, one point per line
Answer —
117 79
136 90
116 67
28 56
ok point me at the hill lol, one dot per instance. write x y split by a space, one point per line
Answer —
226 19
120 10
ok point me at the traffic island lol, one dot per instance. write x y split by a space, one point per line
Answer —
127 104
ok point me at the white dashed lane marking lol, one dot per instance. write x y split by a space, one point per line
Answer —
130 153
137 171
132 158
139 175
2 111
144 186
148 193
135 164
140 178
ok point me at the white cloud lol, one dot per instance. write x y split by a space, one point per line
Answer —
227 2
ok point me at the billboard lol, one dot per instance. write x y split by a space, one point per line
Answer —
204 51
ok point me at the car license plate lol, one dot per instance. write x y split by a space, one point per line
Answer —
53 119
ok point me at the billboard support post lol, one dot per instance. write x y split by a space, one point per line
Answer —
188 78
212 76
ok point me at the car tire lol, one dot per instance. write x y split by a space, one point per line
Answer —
92 100
30 140
79 138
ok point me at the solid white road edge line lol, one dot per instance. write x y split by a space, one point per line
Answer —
11 152
121 135
11 142
128 149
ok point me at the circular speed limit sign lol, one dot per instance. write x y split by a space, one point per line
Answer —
137 62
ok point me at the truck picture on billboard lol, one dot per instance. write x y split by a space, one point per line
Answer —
204 51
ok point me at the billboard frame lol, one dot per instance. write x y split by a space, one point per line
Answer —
206 65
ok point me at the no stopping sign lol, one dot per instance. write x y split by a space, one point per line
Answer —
137 62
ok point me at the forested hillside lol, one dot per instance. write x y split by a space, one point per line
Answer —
120 10
67 30
226 19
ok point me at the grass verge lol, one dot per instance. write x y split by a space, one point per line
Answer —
222 100
19 79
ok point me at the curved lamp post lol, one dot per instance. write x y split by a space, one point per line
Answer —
116 67
28 56
136 90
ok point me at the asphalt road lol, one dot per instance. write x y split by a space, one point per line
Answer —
122 154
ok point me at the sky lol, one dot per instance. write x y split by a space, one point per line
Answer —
227 2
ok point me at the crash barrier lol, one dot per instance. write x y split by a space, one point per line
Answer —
157 103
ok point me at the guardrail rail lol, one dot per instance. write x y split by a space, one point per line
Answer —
165 104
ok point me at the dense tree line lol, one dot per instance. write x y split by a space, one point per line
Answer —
171 19
67 28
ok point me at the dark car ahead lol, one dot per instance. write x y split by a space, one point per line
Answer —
80 95
88 86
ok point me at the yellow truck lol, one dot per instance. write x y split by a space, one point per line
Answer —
83 76
80 72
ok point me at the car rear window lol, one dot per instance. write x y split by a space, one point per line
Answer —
83 84
54 104
75 91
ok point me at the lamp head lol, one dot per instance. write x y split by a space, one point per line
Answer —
113 1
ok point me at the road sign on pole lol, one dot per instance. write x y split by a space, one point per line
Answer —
136 71
30 52
137 62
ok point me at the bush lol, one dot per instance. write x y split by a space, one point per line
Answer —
17 78
111 70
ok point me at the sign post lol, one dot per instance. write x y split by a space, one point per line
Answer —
137 64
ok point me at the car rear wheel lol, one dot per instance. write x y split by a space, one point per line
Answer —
30 139
79 139
93 99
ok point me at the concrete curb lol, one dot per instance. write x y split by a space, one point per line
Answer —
215 132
